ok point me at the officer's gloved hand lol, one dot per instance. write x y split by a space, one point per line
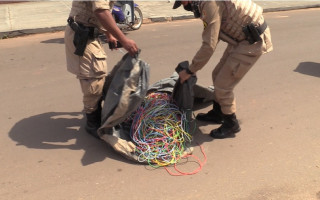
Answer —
122 146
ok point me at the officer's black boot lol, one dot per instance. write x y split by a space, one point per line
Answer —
229 127
213 116
93 122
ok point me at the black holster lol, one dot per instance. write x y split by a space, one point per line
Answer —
81 36
253 32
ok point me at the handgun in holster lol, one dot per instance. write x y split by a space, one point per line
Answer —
253 32
81 36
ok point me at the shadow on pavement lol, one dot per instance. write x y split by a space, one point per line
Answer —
57 130
198 136
309 68
64 130
56 41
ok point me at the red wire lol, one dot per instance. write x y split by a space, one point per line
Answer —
201 164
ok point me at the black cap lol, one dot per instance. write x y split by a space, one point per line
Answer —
177 4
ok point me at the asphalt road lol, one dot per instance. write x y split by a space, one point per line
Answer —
46 154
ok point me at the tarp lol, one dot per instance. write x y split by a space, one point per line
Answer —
129 81
126 87
183 94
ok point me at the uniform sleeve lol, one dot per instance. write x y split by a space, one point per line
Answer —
211 15
100 4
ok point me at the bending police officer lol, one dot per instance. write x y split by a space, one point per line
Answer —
85 55
242 25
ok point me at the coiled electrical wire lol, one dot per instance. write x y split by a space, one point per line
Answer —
158 130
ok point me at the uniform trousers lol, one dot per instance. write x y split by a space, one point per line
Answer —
236 61
90 69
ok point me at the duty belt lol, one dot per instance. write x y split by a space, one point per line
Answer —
253 32
93 32
262 27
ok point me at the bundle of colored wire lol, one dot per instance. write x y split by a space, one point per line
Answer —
158 130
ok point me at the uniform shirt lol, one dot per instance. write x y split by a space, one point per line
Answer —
93 63
211 15
83 11
224 20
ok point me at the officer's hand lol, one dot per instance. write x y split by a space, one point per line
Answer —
130 46
112 40
126 148
183 75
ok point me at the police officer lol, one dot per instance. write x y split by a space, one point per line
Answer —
85 55
242 25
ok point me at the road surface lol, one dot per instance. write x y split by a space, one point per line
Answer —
46 153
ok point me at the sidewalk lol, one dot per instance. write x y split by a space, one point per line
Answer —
45 16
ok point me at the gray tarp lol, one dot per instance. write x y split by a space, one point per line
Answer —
126 88
183 94
129 84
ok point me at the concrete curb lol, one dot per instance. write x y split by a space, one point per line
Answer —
290 8
17 33
11 34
